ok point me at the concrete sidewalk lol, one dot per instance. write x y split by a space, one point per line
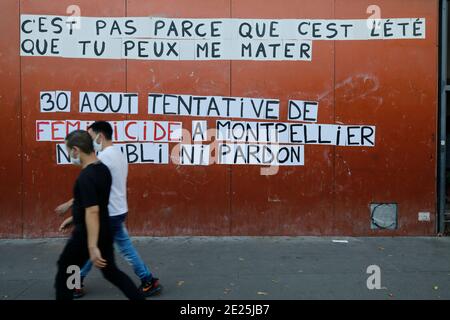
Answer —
249 268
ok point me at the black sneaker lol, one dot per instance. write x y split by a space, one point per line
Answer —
149 288
78 293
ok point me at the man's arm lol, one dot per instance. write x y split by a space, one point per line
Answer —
93 228
61 209
66 223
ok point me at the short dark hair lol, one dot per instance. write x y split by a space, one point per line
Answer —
102 127
80 139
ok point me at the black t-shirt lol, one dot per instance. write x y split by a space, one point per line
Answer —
92 188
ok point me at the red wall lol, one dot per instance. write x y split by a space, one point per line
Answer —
390 84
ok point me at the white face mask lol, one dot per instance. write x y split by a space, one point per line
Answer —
97 146
73 160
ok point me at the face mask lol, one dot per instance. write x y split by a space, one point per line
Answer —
75 161
97 146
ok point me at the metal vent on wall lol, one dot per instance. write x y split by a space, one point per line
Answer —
383 216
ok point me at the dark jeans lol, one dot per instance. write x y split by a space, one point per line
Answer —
76 253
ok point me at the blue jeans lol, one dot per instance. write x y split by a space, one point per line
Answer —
126 249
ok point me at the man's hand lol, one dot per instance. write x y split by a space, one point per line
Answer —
63 208
66 223
96 257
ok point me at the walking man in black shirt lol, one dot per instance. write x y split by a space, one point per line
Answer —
91 237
